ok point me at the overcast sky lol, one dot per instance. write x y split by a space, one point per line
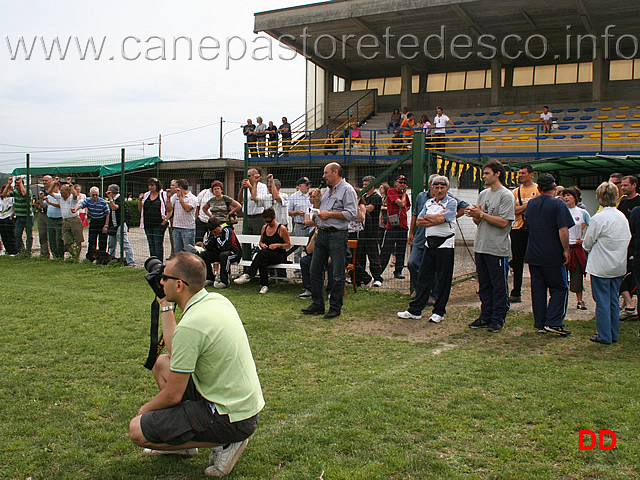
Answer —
51 104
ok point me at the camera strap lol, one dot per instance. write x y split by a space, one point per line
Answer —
155 345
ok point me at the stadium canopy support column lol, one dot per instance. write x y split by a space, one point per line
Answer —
496 81
405 89
600 75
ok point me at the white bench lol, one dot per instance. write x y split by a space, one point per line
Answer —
255 239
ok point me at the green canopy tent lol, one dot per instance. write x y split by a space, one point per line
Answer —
81 167
580 166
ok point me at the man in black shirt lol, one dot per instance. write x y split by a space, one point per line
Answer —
249 131
368 240
285 134
629 201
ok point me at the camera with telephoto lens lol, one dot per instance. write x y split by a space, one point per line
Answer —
155 267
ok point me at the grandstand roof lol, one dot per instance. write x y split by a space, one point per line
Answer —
579 166
422 18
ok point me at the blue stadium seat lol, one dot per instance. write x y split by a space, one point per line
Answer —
451 130
466 130
590 109
559 137
568 119
493 114
473 122
459 122
479 114
468 114
573 110
577 136
557 110
458 139
585 118
482 130
487 122
541 137
580 127
564 127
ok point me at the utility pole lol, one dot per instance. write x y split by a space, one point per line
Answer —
160 145
221 149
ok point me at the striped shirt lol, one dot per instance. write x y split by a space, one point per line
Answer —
182 218
22 204
100 209
299 201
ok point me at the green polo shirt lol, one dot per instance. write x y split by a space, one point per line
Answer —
211 344
22 203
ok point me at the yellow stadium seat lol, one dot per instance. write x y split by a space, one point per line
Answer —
624 108
509 113
595 135
634 135
518 120
635 125
507 139
529 129
513 129
617 125
606 109
636 115
538 111
525 112
526 137
598 126
614 135
497 129
490 139
537 119
504 120
603 117
620 117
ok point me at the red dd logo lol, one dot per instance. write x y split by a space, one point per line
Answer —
593 440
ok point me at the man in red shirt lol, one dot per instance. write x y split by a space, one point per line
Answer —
395 234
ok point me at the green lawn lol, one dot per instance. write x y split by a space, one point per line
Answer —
365 396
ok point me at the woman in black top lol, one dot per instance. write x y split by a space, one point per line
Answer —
151 206
274 243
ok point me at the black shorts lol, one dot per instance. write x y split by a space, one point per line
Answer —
192 420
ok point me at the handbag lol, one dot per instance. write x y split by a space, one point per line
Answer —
435 242
394 220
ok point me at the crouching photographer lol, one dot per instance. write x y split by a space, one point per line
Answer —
209 394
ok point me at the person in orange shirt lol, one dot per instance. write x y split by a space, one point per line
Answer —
407 127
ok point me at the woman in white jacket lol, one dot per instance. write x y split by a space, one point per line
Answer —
607 241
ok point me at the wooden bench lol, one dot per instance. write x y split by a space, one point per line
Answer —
255 239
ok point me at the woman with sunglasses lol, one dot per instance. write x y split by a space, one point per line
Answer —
152 208
274 243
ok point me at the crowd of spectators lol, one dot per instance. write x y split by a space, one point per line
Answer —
267 140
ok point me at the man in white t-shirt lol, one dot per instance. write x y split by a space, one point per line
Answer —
183 204
546 117
201 216
440 123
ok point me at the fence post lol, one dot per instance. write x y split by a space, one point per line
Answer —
124 205
538 141
601 136
417 165
30 211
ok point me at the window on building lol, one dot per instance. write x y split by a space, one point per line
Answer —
436 82
393 86
455 80
522 76
567 73
476 79
585 72
359 84
544 75
621 70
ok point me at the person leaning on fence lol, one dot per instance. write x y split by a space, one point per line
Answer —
248 131
182 205
338 206
210 394
331 144
272 139
274 243
118 225
261 136
152 206
222 246
493 215
438 217
285 136
98 212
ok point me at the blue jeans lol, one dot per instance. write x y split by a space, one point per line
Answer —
606 293
155 239
54 230
329 245
21 225
183 237
128 250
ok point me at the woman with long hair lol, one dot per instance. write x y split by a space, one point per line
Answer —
152 208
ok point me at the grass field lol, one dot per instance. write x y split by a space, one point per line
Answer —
365 396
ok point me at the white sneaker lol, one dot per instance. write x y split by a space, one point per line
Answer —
377 283
220 285
225 459
264 289
242 279
305 294
408 315
190 452
628 314
435 318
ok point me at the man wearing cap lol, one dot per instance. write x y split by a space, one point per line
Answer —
548 255
258 199
395 234
299 205
338 206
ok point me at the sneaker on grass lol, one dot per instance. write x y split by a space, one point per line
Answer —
408 315
244 278
477 323
264 289
557 330
435 318
305 294
626 314
224 459
189 452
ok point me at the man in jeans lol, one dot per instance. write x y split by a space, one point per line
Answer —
118 224
23 214
395 234
182 206
54 218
